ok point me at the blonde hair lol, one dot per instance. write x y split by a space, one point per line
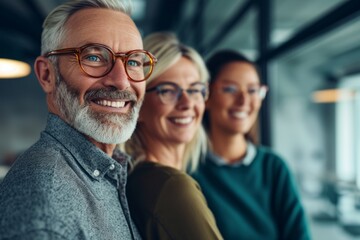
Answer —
168 50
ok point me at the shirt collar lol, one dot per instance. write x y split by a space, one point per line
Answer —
246 160
92 159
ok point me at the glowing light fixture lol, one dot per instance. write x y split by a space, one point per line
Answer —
333 95
13 68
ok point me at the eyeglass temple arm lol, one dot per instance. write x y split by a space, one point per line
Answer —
150 63
60 52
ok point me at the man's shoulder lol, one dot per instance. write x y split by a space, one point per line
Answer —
46 145
35 173
38 160
31 192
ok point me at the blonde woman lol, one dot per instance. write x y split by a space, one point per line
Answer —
164 201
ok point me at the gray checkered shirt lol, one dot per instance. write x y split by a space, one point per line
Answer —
64 187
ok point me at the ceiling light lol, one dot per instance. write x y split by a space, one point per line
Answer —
333 95
13 68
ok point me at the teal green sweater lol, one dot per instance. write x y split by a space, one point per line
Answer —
257 201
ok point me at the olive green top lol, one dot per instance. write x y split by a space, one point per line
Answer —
166 203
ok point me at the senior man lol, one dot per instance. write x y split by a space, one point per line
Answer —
71 183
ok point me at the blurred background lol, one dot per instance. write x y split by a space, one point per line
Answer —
309 56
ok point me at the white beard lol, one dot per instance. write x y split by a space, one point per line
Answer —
108 128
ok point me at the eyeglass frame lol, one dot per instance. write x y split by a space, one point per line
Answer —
122 55
180 91
263 89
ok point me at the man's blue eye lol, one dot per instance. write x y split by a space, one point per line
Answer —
93 58
133 63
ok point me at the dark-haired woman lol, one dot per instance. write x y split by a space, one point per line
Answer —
249 188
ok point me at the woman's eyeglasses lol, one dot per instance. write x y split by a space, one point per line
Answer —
97 60
253 91
170 93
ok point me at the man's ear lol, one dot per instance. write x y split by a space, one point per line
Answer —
45 74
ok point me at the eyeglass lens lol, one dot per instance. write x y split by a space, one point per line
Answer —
97 61
256 91
171 93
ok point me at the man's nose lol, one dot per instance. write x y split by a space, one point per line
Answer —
117 77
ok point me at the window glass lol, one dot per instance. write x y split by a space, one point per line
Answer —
242 38
289 16
315 124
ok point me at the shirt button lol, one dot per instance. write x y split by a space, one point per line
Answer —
112 167
96 173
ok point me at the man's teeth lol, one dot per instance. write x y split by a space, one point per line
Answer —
183 120
240 115
111 103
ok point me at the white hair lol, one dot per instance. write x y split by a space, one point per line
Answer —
54 25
